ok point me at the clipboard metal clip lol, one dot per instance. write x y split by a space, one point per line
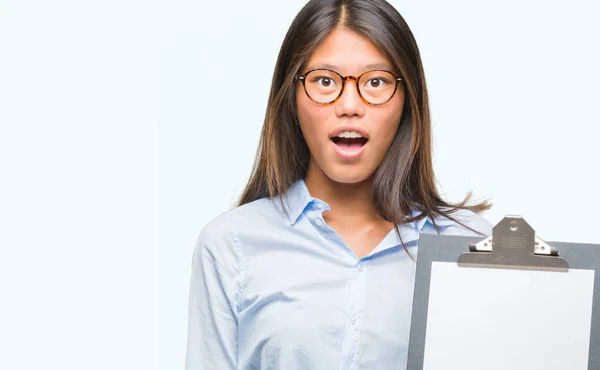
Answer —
513 245
540 247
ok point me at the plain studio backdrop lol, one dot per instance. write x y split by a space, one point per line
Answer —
514 88
127 121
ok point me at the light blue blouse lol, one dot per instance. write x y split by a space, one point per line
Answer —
276 291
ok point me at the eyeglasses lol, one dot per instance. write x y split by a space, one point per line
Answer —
324 86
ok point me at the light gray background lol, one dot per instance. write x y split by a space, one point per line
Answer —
78 184
84 85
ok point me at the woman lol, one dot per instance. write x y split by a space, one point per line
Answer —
315 268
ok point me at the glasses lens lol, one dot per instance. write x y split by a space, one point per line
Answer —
323 86
377 87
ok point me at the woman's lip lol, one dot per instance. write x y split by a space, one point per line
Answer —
348 154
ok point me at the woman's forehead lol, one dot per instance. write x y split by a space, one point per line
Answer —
346 51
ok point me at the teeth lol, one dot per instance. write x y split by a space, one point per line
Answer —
349 135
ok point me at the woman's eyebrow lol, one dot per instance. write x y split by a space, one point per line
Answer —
378 66
333 67
323 66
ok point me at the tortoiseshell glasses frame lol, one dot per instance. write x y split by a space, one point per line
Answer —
357 80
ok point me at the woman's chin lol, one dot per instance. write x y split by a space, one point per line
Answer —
346 176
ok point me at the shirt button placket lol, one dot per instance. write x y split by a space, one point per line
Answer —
357 297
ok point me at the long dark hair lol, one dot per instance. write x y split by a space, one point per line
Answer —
404 181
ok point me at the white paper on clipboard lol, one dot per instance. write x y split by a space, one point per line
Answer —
482 318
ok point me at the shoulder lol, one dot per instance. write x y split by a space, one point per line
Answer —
224 240
465 221
226 227
256 214
219 241
215 244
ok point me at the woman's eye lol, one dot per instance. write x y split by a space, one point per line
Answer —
325 82
376 82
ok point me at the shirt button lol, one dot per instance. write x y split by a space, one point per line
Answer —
360 268
353 320
319 222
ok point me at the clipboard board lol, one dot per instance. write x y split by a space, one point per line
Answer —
509 301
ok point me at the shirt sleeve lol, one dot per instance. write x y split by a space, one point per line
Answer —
213 300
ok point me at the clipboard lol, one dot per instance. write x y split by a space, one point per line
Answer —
507 283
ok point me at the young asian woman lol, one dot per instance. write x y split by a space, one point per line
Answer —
314 269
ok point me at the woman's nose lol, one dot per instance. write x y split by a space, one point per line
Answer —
350 102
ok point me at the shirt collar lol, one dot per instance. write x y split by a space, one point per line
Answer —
298 198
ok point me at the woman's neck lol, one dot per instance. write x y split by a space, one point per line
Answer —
350 203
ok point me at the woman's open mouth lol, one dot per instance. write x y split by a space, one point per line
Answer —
349 145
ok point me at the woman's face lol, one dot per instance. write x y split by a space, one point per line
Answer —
348 160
